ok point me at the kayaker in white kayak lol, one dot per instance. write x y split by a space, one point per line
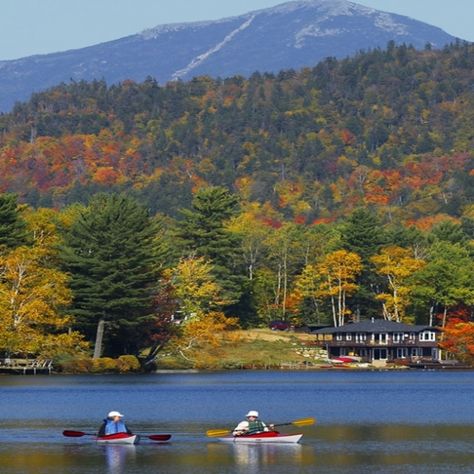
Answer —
113 424
251 425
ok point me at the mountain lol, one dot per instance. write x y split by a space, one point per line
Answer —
388 129
289 36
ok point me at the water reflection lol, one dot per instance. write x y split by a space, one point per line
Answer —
403 423
256 458
117 457
250 458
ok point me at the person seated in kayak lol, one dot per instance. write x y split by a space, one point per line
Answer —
113 424
251 425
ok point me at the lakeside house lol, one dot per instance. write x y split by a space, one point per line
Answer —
381 341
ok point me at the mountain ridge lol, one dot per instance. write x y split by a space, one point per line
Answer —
291 35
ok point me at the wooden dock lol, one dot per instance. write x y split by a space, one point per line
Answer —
439 365
26 366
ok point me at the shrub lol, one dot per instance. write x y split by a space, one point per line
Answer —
73 365
104 364
128 363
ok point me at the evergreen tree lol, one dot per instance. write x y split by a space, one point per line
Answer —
204 231
109 254
12 226
363 235
407 237
448 231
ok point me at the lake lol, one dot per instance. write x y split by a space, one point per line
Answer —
367 422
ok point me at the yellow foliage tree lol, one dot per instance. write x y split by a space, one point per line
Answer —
42 226
31 298
207 329
396 265
253 232
199 298
306 286
338 272
194 286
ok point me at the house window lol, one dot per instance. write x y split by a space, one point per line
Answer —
380 354
383 338
360 337
338 337
427 336
415 352
348 337
397 337
402 352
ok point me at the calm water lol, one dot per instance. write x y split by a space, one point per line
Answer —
367 422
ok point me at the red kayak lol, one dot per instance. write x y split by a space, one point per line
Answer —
265 437
118 438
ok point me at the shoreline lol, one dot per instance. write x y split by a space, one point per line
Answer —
258 369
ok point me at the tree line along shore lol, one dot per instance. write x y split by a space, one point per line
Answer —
87 284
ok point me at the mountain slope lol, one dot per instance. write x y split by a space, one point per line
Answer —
390 129
289 36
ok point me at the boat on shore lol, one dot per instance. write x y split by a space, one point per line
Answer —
270 437
118 438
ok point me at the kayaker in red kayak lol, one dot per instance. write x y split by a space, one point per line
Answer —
113 424
251 425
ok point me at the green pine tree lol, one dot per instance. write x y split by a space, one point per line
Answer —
203 231
363 235
12 226
109 254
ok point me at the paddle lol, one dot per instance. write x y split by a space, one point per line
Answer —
301 422
153 437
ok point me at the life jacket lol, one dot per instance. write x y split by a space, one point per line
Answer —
256 426
112 427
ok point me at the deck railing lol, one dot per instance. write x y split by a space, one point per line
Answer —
25 366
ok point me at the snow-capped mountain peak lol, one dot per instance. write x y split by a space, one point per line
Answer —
288 36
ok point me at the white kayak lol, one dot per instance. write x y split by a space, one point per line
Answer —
118 438
265 437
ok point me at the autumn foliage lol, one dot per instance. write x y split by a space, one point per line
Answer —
265 198
458 339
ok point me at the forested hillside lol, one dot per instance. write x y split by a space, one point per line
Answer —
391 129
322 196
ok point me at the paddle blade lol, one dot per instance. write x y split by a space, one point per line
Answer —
159 437
304 422
73 434
215 433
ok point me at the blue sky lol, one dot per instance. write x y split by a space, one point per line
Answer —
30 27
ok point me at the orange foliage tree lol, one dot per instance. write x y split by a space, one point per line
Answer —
458 340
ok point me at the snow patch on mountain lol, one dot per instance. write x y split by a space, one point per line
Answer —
327 7
316 32
153 33
202 57
386 22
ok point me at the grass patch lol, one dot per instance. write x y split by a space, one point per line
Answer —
253 349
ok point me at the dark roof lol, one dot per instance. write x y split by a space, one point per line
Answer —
375 326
